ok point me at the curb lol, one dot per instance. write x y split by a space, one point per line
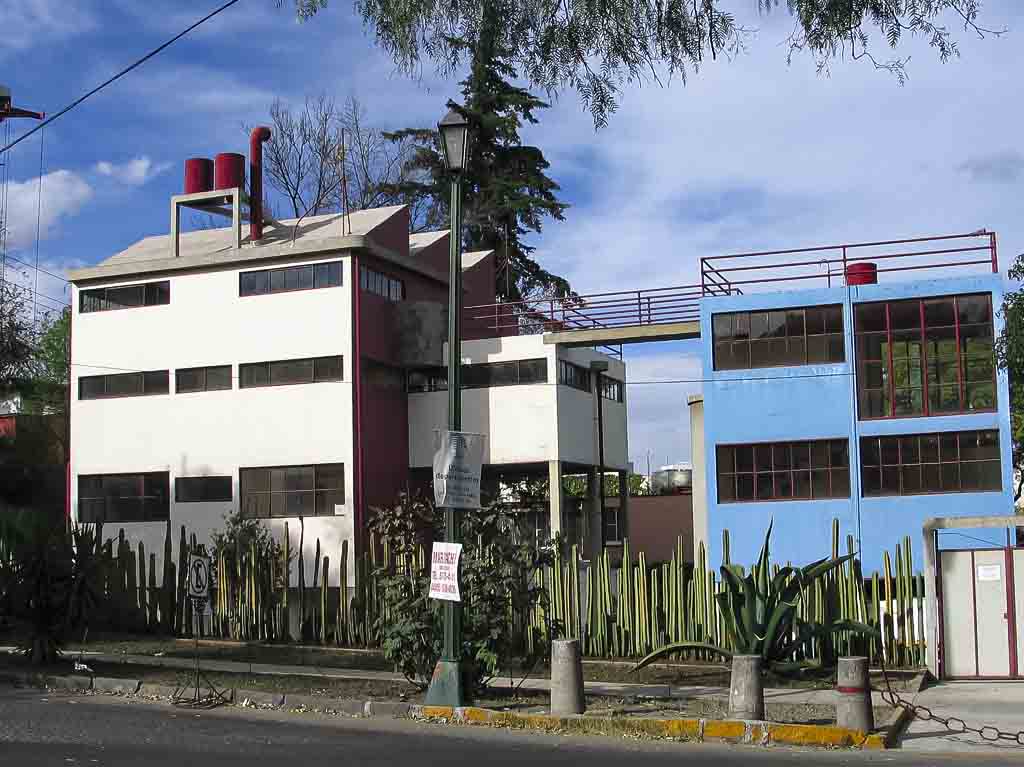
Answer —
713 730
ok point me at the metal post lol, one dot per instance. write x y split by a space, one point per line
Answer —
446 686
600 448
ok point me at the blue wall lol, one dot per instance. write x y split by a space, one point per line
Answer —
819 402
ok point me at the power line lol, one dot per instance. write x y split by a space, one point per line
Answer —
118 76
25 263
39 216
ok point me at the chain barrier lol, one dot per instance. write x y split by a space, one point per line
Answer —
954 724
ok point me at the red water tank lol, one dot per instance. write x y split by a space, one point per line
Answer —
862 273
198 175
229 171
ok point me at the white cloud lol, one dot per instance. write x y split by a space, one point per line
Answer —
63 195
28 23
134 172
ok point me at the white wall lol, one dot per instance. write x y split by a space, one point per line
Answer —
214 433
524 424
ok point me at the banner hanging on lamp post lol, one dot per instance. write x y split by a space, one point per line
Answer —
457 467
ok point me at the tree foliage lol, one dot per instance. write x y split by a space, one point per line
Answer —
596 48
506 191
1010 356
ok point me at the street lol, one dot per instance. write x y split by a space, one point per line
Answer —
43 729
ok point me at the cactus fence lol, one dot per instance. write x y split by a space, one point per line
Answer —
620 606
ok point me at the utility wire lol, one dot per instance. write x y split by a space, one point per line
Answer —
26 263
39 216
118 76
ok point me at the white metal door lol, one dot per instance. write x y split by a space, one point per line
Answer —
958 638
991 617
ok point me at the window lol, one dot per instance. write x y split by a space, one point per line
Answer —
783 471
573 375
925 357
292 491
202 489
381 285
124 497
123 385
125 297
946 462
289 278
427 380
302 371
779 337
610 388
512 373
202 379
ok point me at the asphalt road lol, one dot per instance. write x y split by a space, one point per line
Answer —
40 729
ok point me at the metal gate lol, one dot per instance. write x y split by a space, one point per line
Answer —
982 599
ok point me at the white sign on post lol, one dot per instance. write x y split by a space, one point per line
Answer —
444 571
457 467
989 573
198 577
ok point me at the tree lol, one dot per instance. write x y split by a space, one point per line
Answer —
324 158
594 48
506 190
16 336
1010 356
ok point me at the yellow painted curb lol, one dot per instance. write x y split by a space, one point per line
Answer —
756 733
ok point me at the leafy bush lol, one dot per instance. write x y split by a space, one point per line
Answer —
498 581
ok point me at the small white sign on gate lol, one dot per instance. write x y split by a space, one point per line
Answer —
444 571
989 573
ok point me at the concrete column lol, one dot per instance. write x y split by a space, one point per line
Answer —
595 525
566 678
932 649
853 695
698 460
746 689
555 497
624 504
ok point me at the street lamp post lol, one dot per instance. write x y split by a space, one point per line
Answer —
446 685
598 368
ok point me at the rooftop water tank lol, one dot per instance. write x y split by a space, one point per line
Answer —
672 480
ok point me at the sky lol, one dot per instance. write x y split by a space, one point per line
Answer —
751 153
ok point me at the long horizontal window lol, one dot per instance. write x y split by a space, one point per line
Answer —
124 497
123 385
301 371
381 285
946 462
289 278
292 491
202 489
925 357
125 297
576 376
806 336
482 375
775 471
213 378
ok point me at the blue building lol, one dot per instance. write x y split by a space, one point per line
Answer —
874 402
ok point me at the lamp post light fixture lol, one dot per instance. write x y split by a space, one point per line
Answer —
446 686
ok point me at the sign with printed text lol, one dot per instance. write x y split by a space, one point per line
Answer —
444 571
457 466
989 573
198 577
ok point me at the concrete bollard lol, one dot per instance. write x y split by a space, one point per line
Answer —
853 695
746 688
566 678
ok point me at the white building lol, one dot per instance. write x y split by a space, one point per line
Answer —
290 378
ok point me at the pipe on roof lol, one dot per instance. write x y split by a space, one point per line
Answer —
256 139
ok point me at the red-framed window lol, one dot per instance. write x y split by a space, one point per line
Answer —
932 356
920 464
811 335
777 471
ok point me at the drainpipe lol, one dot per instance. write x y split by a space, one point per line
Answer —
256 139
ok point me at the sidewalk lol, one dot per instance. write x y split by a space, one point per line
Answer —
996 704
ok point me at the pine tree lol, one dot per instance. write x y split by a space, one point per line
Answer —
507 193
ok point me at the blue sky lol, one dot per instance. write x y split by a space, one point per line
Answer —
748 154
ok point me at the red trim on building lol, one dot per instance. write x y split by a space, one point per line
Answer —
1011 611
974 613
67 405
358 512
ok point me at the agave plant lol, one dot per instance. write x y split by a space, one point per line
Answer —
760 611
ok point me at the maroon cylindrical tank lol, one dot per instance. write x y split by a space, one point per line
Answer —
229 170
198 175
862 273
